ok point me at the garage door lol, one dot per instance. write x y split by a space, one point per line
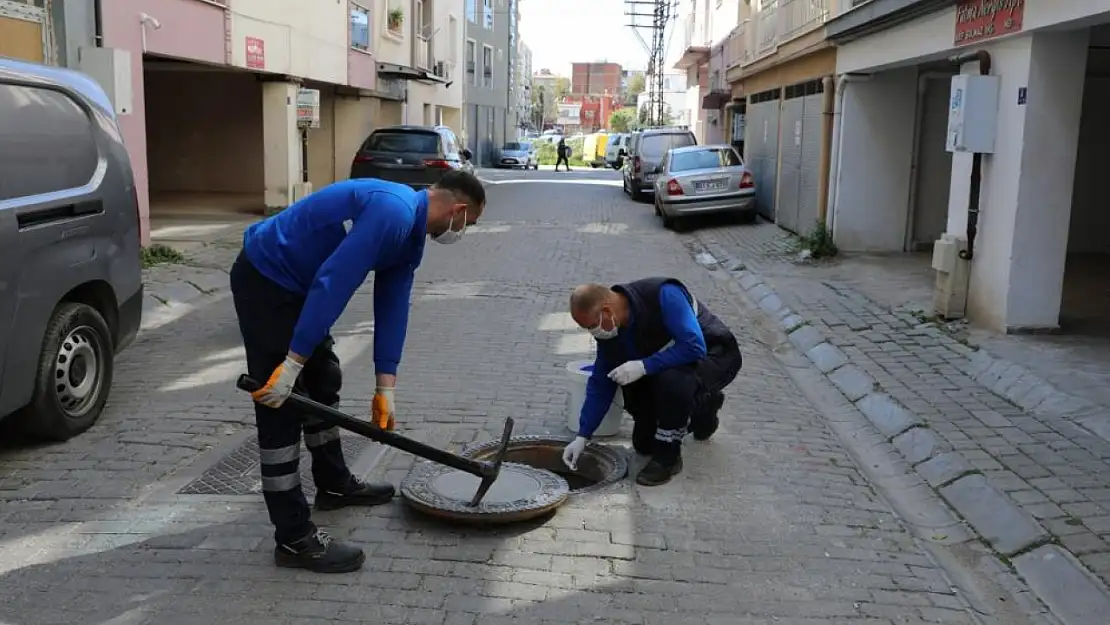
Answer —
790 179
799 179
762 147
809 196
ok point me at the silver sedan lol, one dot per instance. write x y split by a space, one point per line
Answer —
703 179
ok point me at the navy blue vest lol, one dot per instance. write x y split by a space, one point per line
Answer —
649 333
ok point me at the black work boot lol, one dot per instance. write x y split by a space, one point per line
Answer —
357 493
319 553
657 473
705 424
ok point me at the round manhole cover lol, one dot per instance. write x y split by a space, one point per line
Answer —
599 467
520 493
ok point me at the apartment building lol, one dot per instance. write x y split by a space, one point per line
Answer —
50 33
247 106
704 26
908 175
674 99
600 78
491 116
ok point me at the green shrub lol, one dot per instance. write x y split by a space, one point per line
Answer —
819 242
547 153
158 254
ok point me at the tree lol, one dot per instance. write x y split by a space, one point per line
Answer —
562 88
623 120
636 86
545 104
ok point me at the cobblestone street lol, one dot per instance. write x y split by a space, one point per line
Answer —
798 512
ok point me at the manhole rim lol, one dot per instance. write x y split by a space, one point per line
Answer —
416 492
614 456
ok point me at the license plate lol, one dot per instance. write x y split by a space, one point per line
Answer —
711 185
649 177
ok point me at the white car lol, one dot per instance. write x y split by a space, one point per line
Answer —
519 154
616 150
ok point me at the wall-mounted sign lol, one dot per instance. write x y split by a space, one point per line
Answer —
980 20
308 108
256 53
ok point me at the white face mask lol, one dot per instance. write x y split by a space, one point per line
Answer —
602 334
450 236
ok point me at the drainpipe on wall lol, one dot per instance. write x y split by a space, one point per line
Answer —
984 59
98 24
915 156
838 144
828 106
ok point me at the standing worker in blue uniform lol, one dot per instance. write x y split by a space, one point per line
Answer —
671 357
292 280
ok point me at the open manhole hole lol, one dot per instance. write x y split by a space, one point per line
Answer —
598 467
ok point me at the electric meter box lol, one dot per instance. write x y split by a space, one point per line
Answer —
973 113
111 68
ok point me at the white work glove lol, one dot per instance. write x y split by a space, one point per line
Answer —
573 451
628 373
280 385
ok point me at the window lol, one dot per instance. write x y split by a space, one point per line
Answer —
654 146
471 62
487 14
453 33
487 67
471 11
360 27
388 141
704 159
48 142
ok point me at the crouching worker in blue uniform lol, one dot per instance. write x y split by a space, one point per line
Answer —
671 357
294 276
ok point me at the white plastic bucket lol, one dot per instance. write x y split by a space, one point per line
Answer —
579 372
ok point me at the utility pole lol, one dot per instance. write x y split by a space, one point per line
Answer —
651 17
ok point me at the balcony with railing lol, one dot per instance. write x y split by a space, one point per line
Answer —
798 17
735 48
766 30
422 56
695 48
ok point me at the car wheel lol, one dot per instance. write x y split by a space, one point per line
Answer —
637 194
74 374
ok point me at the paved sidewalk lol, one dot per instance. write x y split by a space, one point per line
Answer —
153 516
209 245
1033 482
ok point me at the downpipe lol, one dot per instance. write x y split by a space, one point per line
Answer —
915 157
838 143
984 59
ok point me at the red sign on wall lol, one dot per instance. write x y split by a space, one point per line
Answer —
980 20
256 53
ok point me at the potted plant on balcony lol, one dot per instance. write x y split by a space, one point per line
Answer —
396 18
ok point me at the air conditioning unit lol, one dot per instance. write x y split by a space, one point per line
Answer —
442 69
953 275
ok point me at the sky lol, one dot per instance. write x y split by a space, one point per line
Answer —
558 33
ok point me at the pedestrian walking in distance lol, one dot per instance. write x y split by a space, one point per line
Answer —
671 357
562 151
296 273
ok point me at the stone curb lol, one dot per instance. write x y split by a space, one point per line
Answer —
1075 595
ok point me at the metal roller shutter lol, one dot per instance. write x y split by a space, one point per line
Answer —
809 196
790 173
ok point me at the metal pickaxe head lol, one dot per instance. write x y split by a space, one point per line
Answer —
492 469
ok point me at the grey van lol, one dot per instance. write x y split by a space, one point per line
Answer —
645 151
71 288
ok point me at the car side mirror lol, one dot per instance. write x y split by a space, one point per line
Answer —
467 154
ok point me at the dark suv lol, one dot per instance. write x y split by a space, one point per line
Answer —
414 155
646 150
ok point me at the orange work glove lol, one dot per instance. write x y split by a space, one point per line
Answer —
382 408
